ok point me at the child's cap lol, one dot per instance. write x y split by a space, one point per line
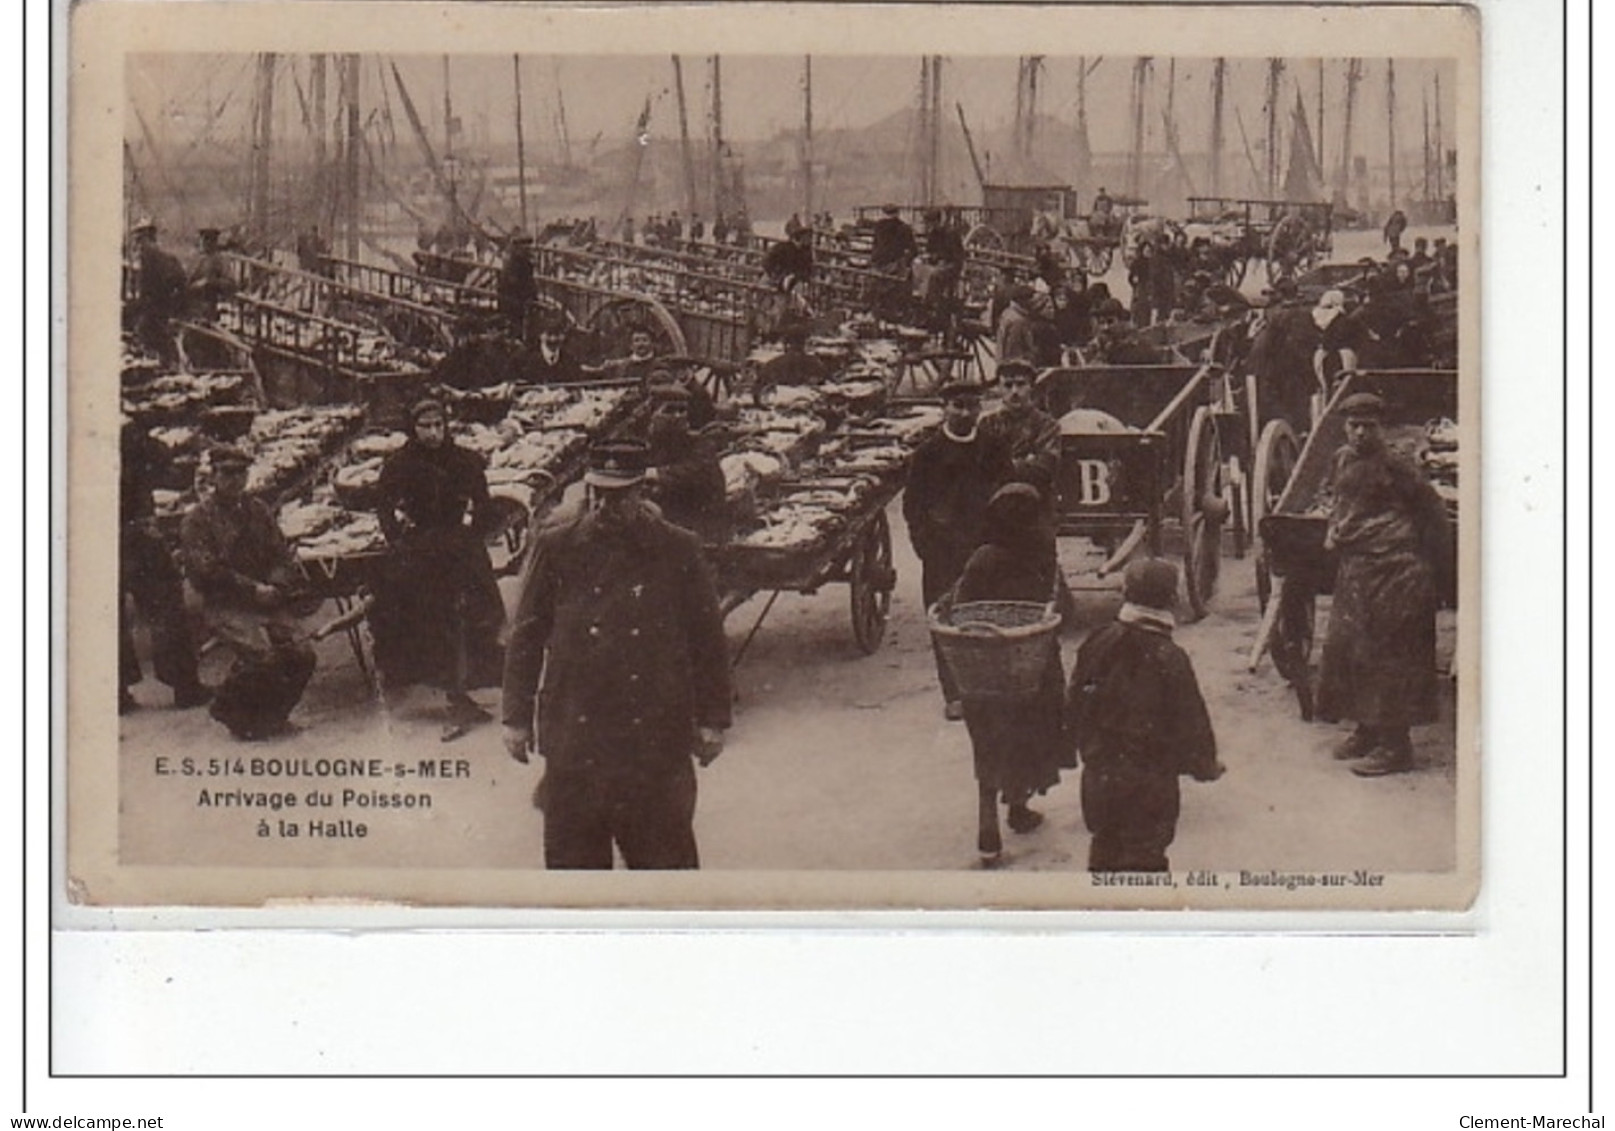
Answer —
1152 583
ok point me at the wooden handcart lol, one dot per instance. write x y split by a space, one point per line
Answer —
1172 465
1293 567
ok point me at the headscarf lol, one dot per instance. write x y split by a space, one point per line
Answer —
1331 306
1015 518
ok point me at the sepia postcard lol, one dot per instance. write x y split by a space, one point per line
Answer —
773 457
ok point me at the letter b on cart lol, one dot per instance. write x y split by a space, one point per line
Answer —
1092 482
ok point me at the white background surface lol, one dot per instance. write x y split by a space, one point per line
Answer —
924 995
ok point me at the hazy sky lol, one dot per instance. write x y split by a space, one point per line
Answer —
763 94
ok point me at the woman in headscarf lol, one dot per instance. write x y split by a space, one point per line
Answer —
1017 742
438 612
1342 337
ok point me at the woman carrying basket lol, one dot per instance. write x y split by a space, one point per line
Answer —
1016 738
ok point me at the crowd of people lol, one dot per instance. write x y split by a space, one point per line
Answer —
613 668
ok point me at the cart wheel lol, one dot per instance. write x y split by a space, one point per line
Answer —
615 322
984 236
1100 258
1264 578
1276 455
1238 495
1205 509
873 578
983 359
979 281
511 520
1291 643
1234 270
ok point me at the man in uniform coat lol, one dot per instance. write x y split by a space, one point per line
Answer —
618 656
954 474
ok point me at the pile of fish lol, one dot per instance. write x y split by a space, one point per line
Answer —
846 471
540 441
321 530
1440 459
179 398
288 445
288 449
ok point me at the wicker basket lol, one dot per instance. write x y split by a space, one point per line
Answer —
996 649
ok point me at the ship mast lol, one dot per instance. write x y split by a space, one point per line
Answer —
1219 71
1441 152
263 135
691 201
521 141
1317 143
560 121
807 137
350 90
1425 100
321 189
1135 159
1390 116
718 196
1275 74
1354 75
934 119
1084 150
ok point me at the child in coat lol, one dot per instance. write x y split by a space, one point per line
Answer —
1134 709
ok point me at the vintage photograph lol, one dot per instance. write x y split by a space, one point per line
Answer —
833 468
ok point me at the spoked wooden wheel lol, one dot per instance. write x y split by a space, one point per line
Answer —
1100 257
511 520
411 329
873 578
982 361
978 282
984 236
1276 454
1234 269
1291 642
1205 509
617 321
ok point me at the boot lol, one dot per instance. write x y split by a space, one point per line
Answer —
1359 744
1022 818
195 695
989 842
1393 757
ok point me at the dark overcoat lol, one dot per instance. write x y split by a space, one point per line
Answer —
1391 531
436 593
945 503
617 647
